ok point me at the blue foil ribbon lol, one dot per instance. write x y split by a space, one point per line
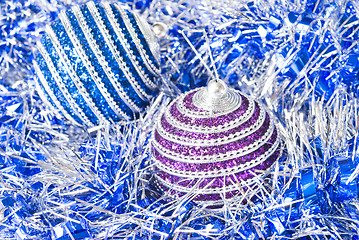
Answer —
346 190
328 53
71 230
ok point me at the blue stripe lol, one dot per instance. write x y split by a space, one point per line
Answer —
66 79
141 36
104 108
54 88
130 41
79 67
48 98
111 60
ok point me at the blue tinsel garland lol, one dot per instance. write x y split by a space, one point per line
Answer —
59 181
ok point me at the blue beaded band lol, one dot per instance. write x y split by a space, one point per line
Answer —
69 68
80 104
56 96
141 38
113 12
93 69
45 95
123 69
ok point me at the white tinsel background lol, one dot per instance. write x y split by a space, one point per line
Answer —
299 58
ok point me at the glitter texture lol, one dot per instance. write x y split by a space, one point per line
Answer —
224 150
94 51
299 59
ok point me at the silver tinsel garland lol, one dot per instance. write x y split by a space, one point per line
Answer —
59 181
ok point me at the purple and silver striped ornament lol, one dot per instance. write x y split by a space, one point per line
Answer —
214 139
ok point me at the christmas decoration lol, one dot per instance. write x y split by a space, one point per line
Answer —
297 59
214 139
98 63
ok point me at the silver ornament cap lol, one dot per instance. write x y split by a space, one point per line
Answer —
216 89
217 98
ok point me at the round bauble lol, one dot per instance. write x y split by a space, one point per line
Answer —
98 63
214 142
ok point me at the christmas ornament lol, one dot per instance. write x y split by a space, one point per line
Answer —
216 140
97 63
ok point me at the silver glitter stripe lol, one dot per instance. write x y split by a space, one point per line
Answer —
204 129
219 203
119 59
227 188
120 35
104 64
206 114
149 36
150 65
41 92
227 126
222 172
66 23
69 69
78 111
217 106
230 138
51 94
216 158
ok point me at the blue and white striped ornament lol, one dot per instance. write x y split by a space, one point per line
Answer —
98 63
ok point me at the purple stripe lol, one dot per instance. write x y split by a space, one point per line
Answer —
213 150
218 181
210 122
209 136
188 102
216 166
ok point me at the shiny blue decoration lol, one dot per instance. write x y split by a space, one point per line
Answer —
348 188
323 188
333 53
236 48
97 63
71 230
20 23
308 184
15 30
335 63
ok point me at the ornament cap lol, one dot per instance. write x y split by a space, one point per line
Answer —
217 98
